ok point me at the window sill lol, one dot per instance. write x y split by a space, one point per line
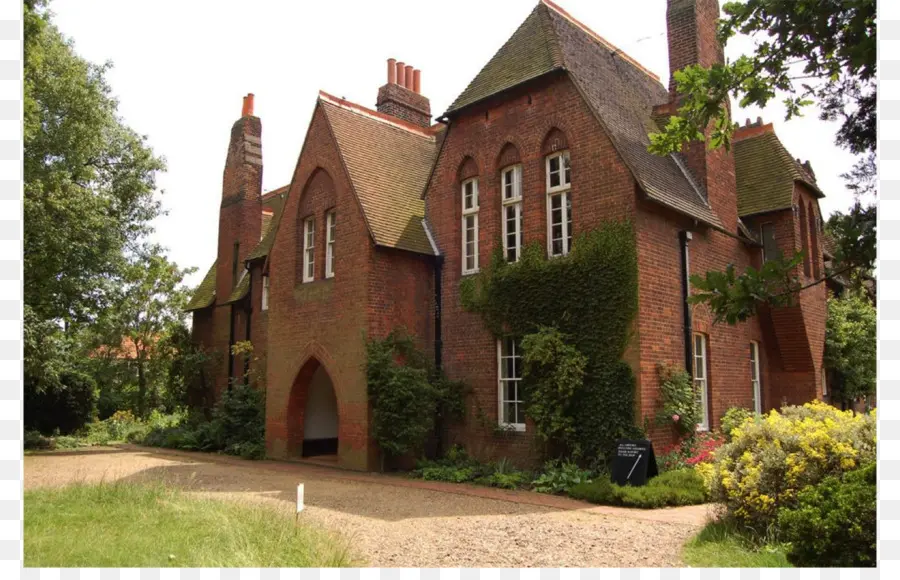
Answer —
512 427
471 272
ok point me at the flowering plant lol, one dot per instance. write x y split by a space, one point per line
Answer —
679 406
691 451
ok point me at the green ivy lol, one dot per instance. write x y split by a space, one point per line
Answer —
410 400
679 402
590 296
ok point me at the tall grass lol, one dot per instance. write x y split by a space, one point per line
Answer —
132 525
721 544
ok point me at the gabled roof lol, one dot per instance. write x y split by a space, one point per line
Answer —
205 294
766 173
388 162
274 203
620 92
240 289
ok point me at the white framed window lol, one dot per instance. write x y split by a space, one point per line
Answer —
309 249
264 302
469 192
755 379
329 244
559 204
701 381
511 186
509 372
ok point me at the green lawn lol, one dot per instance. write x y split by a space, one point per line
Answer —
129 525
719 545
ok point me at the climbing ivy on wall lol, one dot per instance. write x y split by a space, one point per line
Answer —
410 398
590 297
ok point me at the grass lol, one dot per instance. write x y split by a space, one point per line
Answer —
131 525
721 545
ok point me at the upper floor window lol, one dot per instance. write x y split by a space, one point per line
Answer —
511 186
804 239
559 204
309 248
755 381
470 226
329 244
235 260
264 303
701 382
770 247
512 407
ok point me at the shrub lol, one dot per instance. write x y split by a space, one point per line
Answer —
679 403
733 418
34 440
673 488
833 523
590 296
65 406
769 461
691 451
560 476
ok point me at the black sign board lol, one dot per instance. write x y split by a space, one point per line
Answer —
634 462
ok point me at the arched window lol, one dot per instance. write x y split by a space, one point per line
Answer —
469 204
559 204
511 201
815 253
804 238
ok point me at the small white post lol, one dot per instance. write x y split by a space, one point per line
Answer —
299 500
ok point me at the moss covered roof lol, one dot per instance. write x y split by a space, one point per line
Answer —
619 90
766 173
240 289
205 294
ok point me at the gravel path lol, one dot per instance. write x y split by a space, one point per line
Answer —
392 525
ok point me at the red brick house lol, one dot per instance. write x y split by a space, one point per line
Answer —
387 212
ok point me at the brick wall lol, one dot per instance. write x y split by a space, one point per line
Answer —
522 127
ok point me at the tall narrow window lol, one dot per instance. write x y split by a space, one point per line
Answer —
804 239
309 256
559 204
512 408
770 247
470 226
701 382
511 178
264 304
814 253
754 376
824 383
329 244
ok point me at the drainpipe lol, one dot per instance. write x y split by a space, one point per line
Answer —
684 237
438 343
249 311
230 343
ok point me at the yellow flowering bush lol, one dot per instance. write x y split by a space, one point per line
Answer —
770 458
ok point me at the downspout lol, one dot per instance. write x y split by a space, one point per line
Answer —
684 237
249 311
438 342
230 343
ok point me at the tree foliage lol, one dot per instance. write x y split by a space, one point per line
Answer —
850 346
819 52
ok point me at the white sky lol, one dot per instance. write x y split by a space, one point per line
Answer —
181 69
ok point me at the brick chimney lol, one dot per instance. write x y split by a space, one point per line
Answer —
691 26
239 213
402 97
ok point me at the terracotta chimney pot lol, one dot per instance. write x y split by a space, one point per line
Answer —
401 74
247 110
392 71
417 81
409 77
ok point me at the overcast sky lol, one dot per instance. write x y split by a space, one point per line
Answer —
181 69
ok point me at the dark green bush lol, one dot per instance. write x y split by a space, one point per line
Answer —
64 406
560 476
34 440
672 488
833 523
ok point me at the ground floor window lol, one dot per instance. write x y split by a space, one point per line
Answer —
754 376
509 360
701 382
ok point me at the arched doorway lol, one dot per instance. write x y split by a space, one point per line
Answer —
313 413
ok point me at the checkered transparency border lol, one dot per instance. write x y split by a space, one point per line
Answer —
11 367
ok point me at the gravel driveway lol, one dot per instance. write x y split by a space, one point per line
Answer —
395 523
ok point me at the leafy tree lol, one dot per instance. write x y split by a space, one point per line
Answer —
853 234
810 51
850 346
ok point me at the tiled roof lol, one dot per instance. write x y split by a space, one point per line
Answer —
620 92
388 162
766 173
275 203
205 294
240 289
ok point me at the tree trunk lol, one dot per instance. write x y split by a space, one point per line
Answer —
142 390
